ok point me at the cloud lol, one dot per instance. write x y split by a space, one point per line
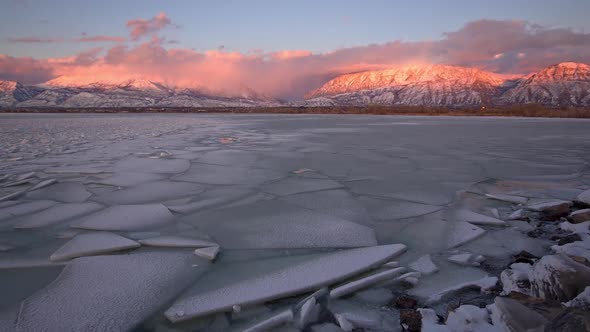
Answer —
84 39
35 40
142 27
500 46
94 39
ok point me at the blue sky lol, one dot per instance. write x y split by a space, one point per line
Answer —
318 26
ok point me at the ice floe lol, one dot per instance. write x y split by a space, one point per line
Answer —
27 207
424 265
294 185
462 232
152 192
508 198
176 241
107 293
94 243
56 214
478 219
146 165
127 218
209 253
358 284
274 224
66 192
282 277
43 184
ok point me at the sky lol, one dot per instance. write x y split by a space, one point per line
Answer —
280 48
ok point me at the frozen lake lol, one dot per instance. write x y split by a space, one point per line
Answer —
286 199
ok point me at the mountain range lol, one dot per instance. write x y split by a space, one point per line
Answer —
563 84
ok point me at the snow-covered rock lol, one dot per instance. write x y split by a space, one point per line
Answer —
558 277
483 284
581 300
580 216
516 279
584 197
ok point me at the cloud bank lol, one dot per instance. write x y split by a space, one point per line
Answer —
499 46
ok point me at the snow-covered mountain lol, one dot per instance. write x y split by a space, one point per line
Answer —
135 92
567 83
564 84
442 85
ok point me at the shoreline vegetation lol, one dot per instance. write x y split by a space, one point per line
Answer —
528 110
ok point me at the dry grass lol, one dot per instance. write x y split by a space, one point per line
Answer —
528 110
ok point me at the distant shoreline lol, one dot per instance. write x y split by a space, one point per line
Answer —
504 111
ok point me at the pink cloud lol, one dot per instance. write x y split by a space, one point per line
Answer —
142 27
292 73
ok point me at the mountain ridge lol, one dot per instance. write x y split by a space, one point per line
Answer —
563 84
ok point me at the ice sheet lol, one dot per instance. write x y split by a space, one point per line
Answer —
127 218
56 214
276 278
274 224
94 243
107 293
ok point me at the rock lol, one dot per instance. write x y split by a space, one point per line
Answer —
508 198
516 316
558 277
411 320
484 285
524 257
431 321
209 253
405 302
565 239
552 208
470 318
582 300
516 279
584 197
424 265
579 216
571 320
